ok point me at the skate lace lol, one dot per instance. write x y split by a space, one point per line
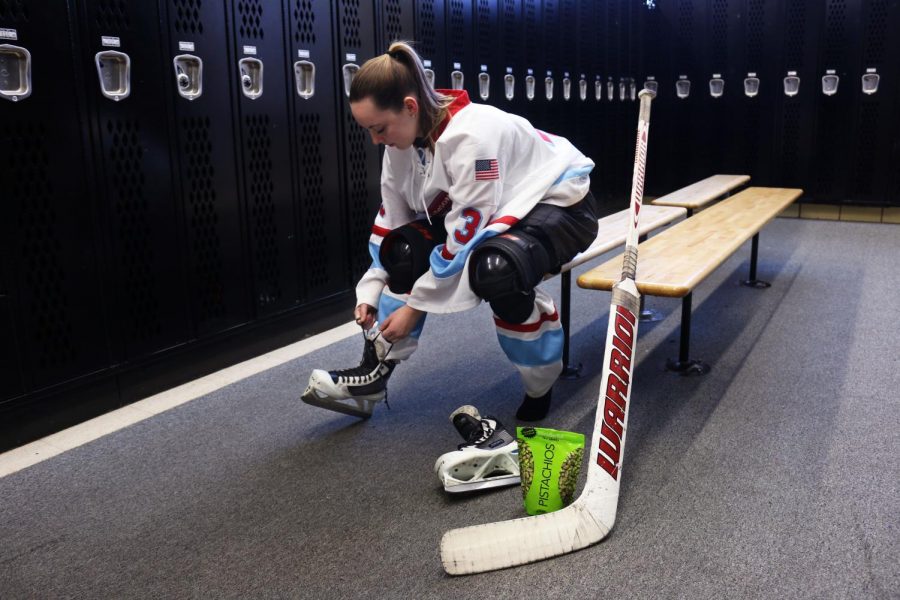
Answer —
486 432
364 373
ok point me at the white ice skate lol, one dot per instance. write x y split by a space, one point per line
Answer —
357 390
489 458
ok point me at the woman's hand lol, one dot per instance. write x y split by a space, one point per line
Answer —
399 323
365 316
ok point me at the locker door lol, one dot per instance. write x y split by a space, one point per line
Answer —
260 90
716 86
510 60
126 76
549 74
460 48
486 59
50 292
362 165
653 42
429 24
532 11
199 85
396 19
316 101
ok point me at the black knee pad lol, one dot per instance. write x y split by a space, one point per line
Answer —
405 252
504 271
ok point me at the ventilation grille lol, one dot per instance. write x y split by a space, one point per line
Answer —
112 15
866 133
876 30
685 39
790 136
304 22
510 31
392 20
719 34
457 30
360 219
350 23
835 33
795 34
30 190
187 16
486 36
532 33
551 35
13 11
752 127
829 118
202 218
755 34
250 16
131 208
313 197
426 33
264 229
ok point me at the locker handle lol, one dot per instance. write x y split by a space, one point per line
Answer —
791 85
349 72
622 89
598 90
716 87
830 83
683 88
251 71
457 79
429 77
548 87
751 86
582 89
509 86
188 76
114 71
305 78
651 85
15 72
632 89
567 89
484 86
530 83
610 90
870 83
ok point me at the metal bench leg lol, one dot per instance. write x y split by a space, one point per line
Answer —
753 281
569 371
684 365
647 315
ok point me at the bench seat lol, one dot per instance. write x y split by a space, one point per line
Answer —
697 195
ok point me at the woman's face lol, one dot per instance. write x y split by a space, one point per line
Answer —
397 129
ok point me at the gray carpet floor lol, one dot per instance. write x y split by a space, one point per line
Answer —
773 476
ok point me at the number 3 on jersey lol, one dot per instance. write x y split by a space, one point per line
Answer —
465 233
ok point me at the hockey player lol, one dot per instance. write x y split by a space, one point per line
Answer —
477 205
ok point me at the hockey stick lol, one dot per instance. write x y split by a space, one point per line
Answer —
587 520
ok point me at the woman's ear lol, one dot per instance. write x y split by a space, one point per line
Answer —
411 105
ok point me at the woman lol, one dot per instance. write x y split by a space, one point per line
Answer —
476 205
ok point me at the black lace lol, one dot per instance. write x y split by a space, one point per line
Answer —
486 432
370 361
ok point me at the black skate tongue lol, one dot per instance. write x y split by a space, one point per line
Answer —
468 427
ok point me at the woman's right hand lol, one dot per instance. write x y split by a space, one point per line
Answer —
365 316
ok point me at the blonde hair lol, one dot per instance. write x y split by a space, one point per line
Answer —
389 78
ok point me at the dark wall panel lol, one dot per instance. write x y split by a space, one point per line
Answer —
460 49
486 60
429 25
509 60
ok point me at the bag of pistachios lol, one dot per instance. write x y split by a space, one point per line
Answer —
549 462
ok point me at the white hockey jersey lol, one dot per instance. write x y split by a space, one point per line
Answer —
488 171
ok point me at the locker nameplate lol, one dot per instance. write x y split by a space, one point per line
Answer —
8 34
108 41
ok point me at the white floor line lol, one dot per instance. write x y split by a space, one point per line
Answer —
52 445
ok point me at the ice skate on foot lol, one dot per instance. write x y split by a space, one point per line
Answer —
489 457
357 390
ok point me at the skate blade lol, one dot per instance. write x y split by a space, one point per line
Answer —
363 410
471 486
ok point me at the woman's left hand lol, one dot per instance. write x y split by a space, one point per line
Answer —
399 323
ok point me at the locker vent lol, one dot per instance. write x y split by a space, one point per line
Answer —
790 143
836 33
551 39
187 16
796 23
755 34
351 24
457 30
202 218
866 134
510 33
392 14
684 51
112 16
305 22
31 192
532 34
360 217
485 33
426 34
264 230
13 11
876 30
313 199
752 127
250 12
828 153
720 34
130 207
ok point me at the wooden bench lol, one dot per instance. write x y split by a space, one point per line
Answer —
611 232
674 262
698 195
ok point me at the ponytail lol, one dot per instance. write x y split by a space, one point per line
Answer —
389 78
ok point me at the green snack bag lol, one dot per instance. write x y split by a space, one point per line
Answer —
549 461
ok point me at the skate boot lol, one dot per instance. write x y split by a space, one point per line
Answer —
489 457
357 390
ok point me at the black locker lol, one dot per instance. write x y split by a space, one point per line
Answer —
549 72
870 164
396 22
199 81
429 27
50 293
567 67
145 282
315 102
651 39
458 35
600 135
509 61
533 108
584 103
717 69
361 164
486 59
838 40
260 90
615 114
795 115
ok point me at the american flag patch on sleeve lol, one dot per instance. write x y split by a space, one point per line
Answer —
486 168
